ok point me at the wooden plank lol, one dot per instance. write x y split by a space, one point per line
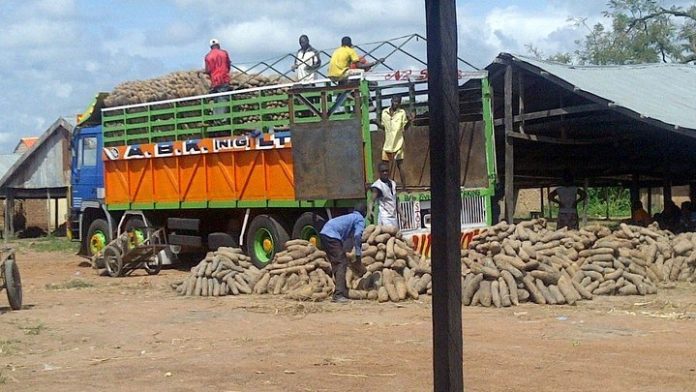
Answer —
555 140
520 93
509 148
592 107
441 27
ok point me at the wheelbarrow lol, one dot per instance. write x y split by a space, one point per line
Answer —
9 278
132 251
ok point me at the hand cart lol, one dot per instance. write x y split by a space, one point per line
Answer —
138 248
10 279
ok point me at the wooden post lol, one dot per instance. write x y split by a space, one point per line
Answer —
584 202
541 200
48 211
9 214
445 169
520 93
509 152
635 190
548 192
56 214
606 200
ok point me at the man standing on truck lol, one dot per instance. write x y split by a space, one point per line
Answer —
394 122
384 192
307 61
336 233
217 66
341 60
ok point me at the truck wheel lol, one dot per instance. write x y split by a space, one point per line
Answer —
266 237
13 284
98 236
136 233
308 226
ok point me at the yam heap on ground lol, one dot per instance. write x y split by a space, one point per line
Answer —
180 84
504 266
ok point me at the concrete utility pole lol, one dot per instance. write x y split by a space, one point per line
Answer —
443 103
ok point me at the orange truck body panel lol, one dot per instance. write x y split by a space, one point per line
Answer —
226 169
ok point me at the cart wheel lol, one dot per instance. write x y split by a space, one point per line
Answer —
13 284
113 261
154 266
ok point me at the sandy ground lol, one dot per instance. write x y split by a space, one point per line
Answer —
134 334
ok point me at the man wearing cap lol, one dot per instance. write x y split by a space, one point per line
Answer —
307 61
342 59
217 66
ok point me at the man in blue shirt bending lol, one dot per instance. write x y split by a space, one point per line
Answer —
335 233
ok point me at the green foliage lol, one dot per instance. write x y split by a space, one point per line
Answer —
641 31
619 202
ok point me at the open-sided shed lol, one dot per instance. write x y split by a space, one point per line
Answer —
42 172
631 125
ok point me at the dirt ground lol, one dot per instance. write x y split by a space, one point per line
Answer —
83 332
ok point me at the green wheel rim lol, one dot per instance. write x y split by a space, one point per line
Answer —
136 238
97 242
264 246
309 233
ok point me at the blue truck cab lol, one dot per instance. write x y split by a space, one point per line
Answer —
90 223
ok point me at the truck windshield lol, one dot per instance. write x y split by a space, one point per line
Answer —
89 151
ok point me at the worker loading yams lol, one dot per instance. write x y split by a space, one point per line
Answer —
307 61
217 66
341 60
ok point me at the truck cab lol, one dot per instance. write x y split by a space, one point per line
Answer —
88 216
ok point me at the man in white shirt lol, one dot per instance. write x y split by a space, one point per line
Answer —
307 61
384 192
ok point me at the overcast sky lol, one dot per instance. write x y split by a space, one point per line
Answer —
55 55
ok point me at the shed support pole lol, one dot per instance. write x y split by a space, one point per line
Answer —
635 190
606 201
584 202
445 169
56 214
48 211
541 201
509 151
9 214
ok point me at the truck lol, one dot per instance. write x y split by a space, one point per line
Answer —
271 164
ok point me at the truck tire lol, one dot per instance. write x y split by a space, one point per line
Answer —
308 226
265 238
13 284
98 236
135 226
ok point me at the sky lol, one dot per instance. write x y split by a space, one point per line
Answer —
55 55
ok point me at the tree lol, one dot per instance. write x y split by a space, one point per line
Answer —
641 31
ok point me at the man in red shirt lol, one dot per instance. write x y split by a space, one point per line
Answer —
217 66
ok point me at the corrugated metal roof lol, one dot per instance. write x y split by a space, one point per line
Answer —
664 92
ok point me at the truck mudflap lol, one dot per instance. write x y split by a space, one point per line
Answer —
422 239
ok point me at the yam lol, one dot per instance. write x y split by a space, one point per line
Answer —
485 296
505 297
382 294
548 297
534 292
469 288
557 295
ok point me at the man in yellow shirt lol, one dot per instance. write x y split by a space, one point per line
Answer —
394 122
341 60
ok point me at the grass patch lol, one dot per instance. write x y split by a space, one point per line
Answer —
33 330
8 346
70 284
48 244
